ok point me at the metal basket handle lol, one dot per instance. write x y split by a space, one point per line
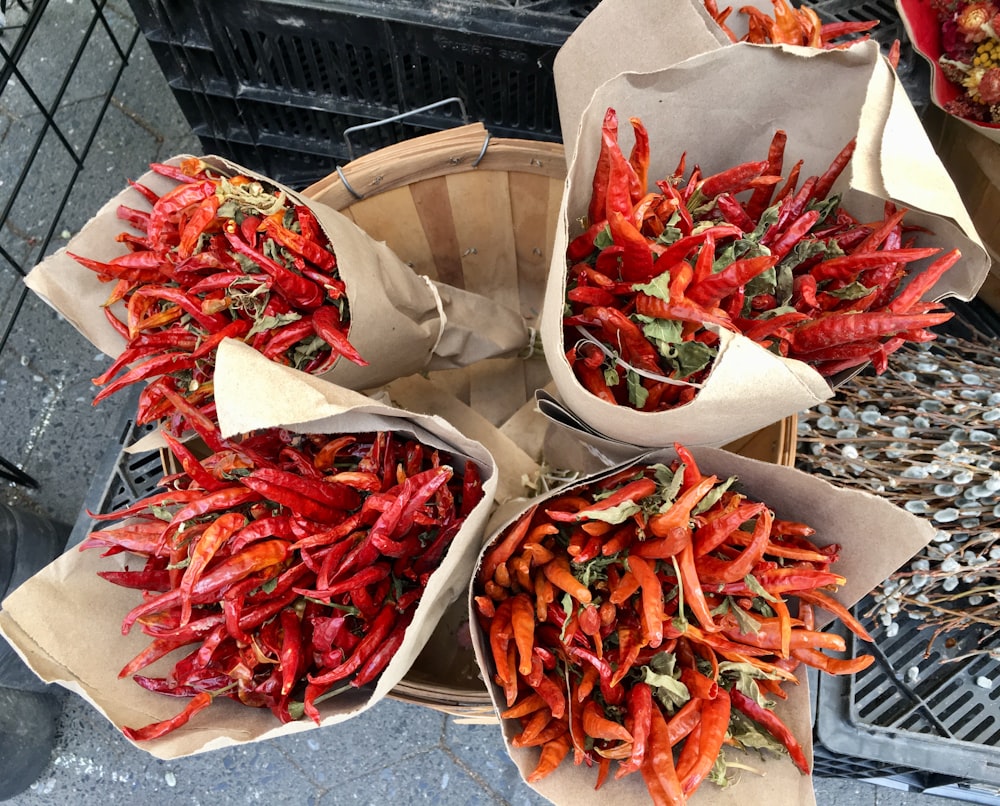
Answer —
402 116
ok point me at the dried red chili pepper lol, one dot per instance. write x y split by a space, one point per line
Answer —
787 247
248 580
594 648
210 269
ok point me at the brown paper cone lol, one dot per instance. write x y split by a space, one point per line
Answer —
876 539
399 319
721 107
41 619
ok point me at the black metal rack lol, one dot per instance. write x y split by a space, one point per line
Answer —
55 101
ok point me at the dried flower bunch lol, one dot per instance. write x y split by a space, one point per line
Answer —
970 56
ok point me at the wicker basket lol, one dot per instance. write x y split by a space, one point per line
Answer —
479 214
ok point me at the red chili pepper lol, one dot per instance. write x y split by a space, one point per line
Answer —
148 580
636 264
731 180
713 289
205 548
199 702
622 181
187 172
379 630
325 498
328 326
597 211
732 211
685 311
761 197
639 156
846 266
770 721
197 224
621 333
611 693
552 692
284 338
633 491
307 247
151 367
591 378
359 579
257 557
825 182
380 658
833 329
923 282
172 202
299 291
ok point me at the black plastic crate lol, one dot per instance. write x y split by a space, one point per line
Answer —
915 711
121 478
274 77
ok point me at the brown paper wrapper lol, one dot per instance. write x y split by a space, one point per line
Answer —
401 322
65 622
889 538
722 107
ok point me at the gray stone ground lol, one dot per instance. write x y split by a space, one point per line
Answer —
395 753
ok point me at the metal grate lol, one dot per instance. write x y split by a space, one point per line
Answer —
53 103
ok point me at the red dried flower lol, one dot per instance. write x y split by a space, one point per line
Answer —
953 43
989 86
972 19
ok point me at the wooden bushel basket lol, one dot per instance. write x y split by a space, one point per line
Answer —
479 214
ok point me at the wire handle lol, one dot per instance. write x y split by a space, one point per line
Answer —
402 116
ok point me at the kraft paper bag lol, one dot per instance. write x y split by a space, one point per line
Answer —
876 538
41 619
400 322
722 108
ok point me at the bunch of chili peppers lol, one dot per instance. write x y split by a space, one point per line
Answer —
648 618
289 565
218 257
657 273
791 26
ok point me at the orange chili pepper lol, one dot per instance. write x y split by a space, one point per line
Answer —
553 752
658 770
503 550
522 620
712 732
712 570
558 572
679 514
598 726
652 614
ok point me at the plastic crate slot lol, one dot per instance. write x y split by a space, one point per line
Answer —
982 730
